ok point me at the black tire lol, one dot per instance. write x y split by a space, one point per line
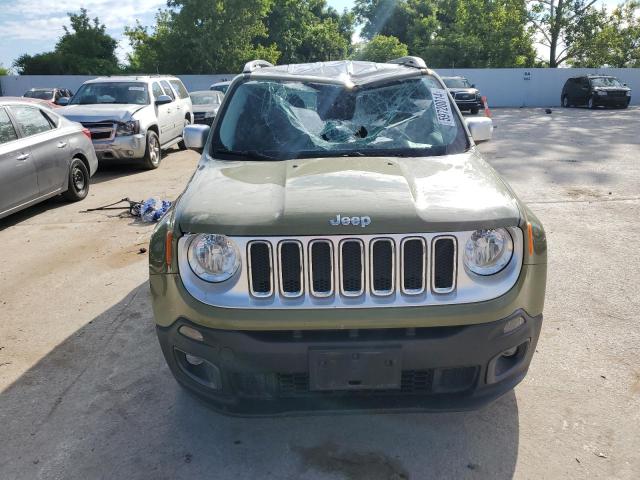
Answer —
79 181
474 111
181 144
590 103
153 153
565 101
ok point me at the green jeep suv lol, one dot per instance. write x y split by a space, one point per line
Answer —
342 245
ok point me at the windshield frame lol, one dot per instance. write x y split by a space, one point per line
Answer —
216 149
75 100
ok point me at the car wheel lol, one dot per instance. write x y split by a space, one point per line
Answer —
565 102
78 181
474 111
181 144
590 103
153 153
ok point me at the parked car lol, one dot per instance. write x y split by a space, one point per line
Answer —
52 95
41 155
132 117
350 251
594 91
465 94
205 105
220 86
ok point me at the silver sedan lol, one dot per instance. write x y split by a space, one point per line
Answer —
41 155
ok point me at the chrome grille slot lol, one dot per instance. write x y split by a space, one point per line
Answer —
291 277
443 273
382 266
352 267
414 263
260 269
321 268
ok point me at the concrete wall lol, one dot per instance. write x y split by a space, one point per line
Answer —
504 87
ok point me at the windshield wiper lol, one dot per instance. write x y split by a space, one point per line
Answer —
250 154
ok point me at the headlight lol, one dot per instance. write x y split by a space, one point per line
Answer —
209 114
128 128
213 258
488 251
628 93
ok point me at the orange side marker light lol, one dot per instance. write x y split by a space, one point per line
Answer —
530 232
168 248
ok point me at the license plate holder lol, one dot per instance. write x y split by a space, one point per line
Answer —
355 369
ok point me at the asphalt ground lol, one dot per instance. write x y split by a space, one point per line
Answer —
86 394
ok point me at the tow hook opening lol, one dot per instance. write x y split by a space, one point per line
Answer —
197 368
507 361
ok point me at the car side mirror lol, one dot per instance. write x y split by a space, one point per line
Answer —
473 85
625 85
63 101
195 136
163 100
481 128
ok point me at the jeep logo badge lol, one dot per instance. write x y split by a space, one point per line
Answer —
340 220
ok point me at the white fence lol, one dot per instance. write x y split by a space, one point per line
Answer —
504 87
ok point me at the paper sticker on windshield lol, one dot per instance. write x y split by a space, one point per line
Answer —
137 89
443 107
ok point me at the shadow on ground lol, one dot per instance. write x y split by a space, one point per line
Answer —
103 404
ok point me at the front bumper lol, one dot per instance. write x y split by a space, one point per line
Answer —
121 148
268 373
469 104
611 100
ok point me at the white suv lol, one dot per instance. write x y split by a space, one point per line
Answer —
132 117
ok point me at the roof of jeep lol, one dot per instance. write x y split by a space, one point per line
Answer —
341 72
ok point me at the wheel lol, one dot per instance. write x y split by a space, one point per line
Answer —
474 111
78 181
181 144
565 101
590 103
152 154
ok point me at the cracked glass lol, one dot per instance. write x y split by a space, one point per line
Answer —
282 119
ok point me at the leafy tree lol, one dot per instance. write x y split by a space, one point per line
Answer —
560 24
202 36
382 48
85 49
3 70
308 30
611 40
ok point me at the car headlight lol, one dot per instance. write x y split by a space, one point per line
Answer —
213 258
628 93
488 251
128 128
209 114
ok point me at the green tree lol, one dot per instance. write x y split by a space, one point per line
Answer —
612 40
202 36
3 70
381 48
84 49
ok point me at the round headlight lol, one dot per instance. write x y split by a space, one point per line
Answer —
488 251
214 258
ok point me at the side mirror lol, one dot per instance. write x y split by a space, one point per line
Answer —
473 85
195 136
481 128
625 85
63 101
163 100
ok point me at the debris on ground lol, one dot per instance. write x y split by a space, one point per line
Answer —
601 455
142 250
149 211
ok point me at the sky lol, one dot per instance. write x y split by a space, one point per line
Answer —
34 26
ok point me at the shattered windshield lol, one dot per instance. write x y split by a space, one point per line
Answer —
128 93
605 82
40 94
456 82
271 119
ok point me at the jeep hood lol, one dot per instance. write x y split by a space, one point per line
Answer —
99 112
299 197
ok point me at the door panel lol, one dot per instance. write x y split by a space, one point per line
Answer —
18 180
177 119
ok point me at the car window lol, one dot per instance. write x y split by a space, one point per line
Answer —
157 90
7 132
31 120
605 82
456 82
304 119
126 93
179 87
205 98
167 89
40 94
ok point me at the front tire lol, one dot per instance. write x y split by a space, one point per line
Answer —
590 104
565 101
474 111
153 153
79 181
181 144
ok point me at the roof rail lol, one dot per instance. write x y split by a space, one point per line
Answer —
415 62
254 65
